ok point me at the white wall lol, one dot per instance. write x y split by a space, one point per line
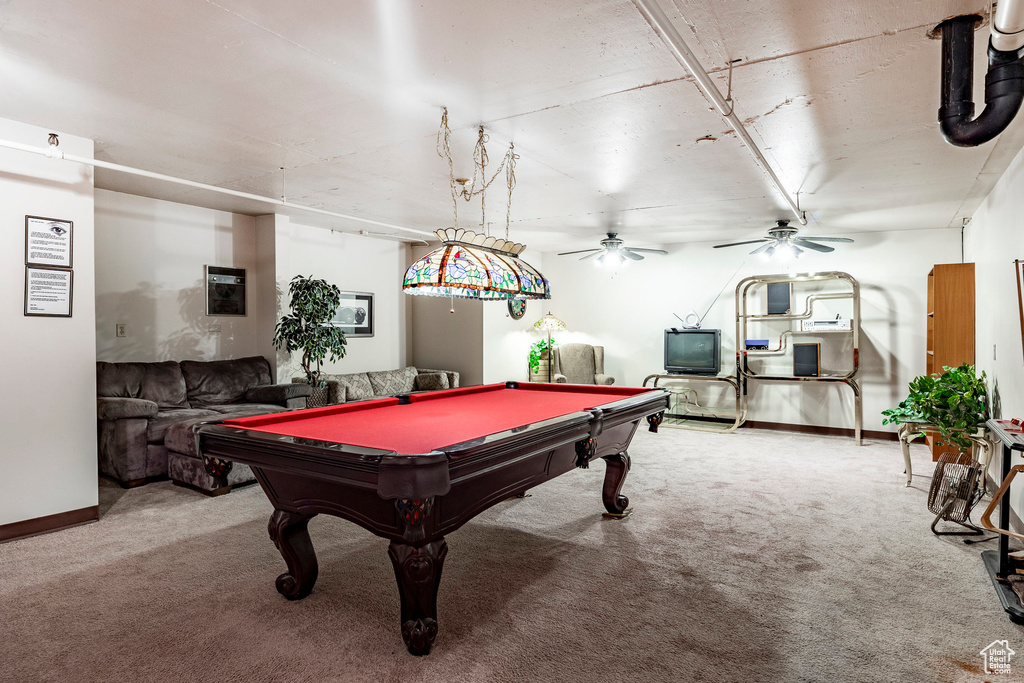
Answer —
150 256
628 311
357 264
48 406
993 239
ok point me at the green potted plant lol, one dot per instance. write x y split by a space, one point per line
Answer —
307 329
955 402
541 351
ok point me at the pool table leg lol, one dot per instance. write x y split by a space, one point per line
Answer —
418 572
289 534
617 467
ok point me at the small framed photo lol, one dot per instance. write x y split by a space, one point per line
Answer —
48 291
355 314
48 242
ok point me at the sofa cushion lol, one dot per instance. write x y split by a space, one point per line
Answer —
392 382
357 385
157 428
218 382
161 383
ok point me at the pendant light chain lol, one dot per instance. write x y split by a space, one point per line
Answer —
480 159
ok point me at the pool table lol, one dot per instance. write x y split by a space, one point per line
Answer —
415 468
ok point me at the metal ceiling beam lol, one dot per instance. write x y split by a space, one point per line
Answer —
654 15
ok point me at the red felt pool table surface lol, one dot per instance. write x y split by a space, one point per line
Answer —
436 419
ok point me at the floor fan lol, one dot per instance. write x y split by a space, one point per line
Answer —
957 486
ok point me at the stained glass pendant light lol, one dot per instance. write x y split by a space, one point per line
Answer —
470 265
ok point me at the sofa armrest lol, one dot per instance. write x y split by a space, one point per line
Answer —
278 393
453 377
108 408
559 379
603 379
431 381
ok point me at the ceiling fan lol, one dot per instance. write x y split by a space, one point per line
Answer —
782 238
613 252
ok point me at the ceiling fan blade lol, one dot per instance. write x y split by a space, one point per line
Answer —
580 251
827 239
769 247
596 252
736 244
630 255
646 251
803 242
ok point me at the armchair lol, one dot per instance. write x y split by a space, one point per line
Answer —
579 364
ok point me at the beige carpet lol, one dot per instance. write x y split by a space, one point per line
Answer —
756 556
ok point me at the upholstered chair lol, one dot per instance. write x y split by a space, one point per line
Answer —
580 364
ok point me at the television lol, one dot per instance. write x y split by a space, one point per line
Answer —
693 352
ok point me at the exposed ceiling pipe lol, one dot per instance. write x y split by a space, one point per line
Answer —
54 153
1008 26
1004 81
654 15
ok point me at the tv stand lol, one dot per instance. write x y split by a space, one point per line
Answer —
686 412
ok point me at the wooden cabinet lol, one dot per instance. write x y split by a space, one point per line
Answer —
950 335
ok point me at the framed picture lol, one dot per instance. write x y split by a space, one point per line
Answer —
225 290
48 291
48 242
355 314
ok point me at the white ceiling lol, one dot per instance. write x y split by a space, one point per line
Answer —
347 96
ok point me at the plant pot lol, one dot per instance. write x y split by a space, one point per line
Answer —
541 374
319 398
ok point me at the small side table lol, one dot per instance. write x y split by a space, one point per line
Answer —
911 430
678 388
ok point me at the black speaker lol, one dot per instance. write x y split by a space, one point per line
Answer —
805 360
779 295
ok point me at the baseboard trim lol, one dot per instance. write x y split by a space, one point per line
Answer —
823 431
44 525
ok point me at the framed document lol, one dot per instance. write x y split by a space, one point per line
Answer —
48 291
355 314
48 242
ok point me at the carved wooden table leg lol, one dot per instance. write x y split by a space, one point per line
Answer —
289 534
617 466
418 572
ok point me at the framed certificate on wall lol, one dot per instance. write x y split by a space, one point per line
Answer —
48 242
48 291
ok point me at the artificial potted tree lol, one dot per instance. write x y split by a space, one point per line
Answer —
307 329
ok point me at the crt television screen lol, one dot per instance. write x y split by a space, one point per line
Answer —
692 351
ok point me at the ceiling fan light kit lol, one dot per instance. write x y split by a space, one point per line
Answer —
613 252
783 241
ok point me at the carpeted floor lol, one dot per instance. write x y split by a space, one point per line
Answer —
756 556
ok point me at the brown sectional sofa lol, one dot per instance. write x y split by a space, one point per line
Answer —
146 413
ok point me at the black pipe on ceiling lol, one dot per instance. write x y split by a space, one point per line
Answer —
1004 86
